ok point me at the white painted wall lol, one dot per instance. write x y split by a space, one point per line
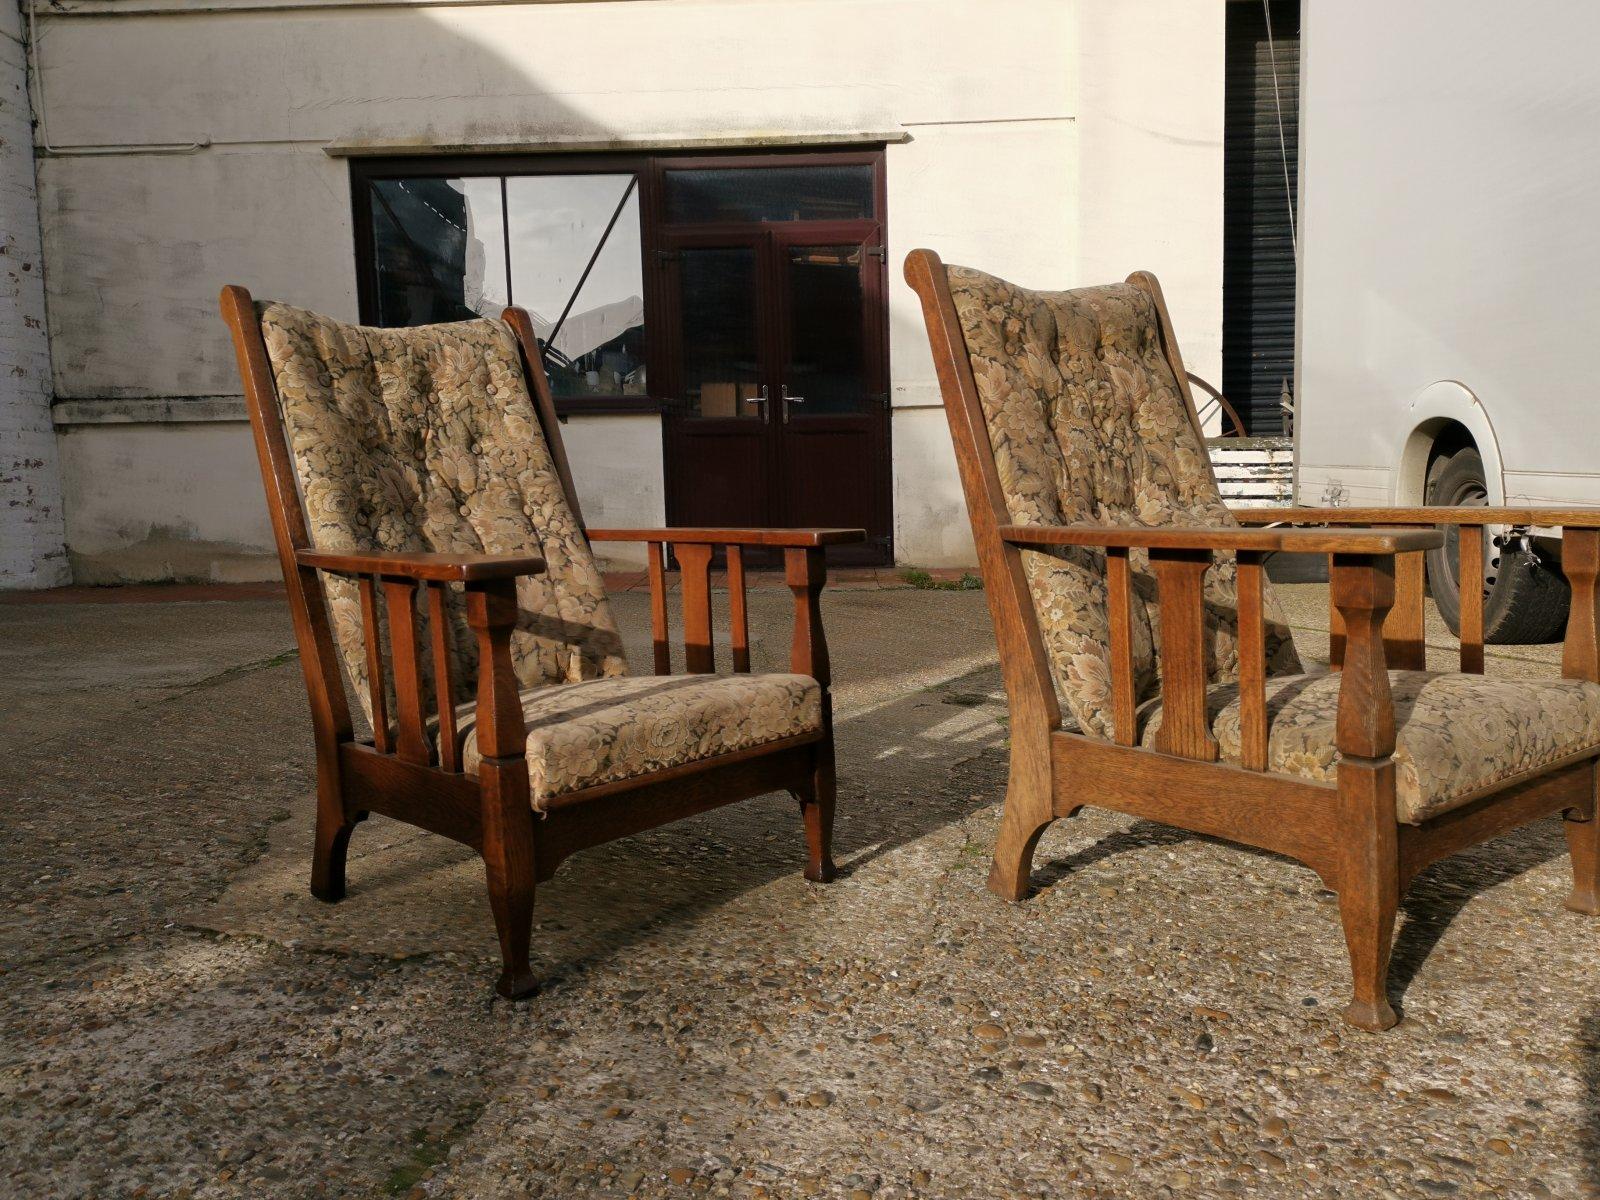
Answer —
1150 124
32 549
617 472
1061 142
1449 186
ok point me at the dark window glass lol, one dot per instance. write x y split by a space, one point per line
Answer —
439 249
577 267
827 361
721 374
769 194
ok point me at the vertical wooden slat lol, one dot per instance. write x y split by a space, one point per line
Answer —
1580 559
1404 642
1470 576
694 562
1335 628
405 649
1252 665
1119 599
376 692
443 682
658 610
1180 578
738 617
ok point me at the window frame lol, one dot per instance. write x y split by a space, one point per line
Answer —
648 168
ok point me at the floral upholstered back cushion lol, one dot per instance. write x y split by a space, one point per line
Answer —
1088 426
426 439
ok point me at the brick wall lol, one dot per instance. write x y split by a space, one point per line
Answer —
32 534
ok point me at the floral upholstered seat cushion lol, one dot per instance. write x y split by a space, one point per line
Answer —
1089 425
1457 737
604 730
427 439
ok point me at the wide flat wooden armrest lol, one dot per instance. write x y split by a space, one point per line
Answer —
1574 518
1219 537
435 568
809 538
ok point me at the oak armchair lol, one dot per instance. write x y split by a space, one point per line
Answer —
1148 667
433 548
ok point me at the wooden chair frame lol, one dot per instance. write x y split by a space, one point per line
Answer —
401 775
1347 831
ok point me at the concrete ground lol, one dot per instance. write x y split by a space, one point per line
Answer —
182 1019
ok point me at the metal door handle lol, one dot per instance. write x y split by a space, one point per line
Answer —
783 394
761 400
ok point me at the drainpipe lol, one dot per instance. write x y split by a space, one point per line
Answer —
32 529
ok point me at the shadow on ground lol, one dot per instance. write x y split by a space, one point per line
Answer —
919 729
1159 1018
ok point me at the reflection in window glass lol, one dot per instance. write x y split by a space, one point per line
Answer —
720 368
592 329
439 249
827 360
842 193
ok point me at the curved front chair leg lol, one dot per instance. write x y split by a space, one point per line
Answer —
1010 875
329 851
1028 812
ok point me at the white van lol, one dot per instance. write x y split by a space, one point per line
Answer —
1449 274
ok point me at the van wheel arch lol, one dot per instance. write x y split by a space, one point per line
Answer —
1525 596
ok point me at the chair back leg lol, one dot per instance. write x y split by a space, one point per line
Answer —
1583 840
816 797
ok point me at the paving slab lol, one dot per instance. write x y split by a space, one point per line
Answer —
1160 1019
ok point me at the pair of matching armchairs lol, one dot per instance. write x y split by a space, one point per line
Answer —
434 552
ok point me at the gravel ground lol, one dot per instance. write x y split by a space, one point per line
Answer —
1161 1019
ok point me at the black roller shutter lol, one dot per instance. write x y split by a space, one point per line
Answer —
1258 268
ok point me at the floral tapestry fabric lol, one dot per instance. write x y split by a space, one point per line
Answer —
426 439
1089 426
1456 736
604 730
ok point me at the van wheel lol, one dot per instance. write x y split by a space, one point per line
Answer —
1524 599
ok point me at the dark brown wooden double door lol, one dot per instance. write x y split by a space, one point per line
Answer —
777 383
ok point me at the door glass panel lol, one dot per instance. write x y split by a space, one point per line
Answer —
770 194
439 249
827 357
721 365
591 328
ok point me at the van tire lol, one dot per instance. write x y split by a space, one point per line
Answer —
1525 599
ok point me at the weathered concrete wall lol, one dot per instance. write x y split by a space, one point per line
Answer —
165 501
1056 141
32 534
